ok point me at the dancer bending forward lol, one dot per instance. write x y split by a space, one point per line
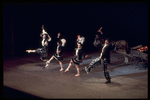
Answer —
77 59
58 56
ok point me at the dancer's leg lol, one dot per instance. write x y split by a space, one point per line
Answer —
78 72
106 73
90 66
69 66
47 63
50 59
94 61
61 66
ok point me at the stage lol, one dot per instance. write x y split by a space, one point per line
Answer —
25 77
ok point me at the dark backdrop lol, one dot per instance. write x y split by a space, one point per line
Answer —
22 24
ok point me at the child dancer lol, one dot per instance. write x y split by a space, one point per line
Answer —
44 50
58 56
77 59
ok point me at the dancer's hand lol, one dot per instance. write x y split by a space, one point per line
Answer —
100 28
58 35
86 56
42 26
28 51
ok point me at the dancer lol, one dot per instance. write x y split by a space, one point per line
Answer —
58 56
77 59
44 50
103 58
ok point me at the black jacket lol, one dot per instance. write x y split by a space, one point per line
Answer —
106 52
59 49
80 54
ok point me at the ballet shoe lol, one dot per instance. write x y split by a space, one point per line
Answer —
77 75
47 62
86 70
66 70
61 69
46 65
108 81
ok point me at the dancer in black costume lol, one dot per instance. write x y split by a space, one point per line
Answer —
103 58
77 59
44 50
58 56
59 51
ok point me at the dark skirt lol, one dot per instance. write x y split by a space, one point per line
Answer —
43 52
76 61
59 58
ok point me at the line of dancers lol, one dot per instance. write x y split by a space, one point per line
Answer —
79 54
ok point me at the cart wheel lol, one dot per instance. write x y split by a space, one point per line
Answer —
134 61
140 63
146 64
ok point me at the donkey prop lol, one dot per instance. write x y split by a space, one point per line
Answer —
120 45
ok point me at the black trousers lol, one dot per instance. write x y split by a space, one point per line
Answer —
106 73
104 66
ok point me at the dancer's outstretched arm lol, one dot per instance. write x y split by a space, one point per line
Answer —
30 51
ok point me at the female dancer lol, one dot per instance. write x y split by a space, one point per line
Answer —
77 59
44 50
58 56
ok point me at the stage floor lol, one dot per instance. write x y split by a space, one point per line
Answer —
25 77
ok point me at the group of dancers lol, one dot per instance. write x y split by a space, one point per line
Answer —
79 54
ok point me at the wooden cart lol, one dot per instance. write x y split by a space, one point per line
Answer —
139 59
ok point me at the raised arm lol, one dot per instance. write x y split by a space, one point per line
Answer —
42 26
100 30
49 38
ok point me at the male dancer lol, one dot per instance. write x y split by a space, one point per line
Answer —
58 56
44 50
77 59
104 56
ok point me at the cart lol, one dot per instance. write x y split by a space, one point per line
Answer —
139 59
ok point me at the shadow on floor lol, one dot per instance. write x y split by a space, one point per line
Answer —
13 94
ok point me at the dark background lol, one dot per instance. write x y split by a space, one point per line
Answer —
22 24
